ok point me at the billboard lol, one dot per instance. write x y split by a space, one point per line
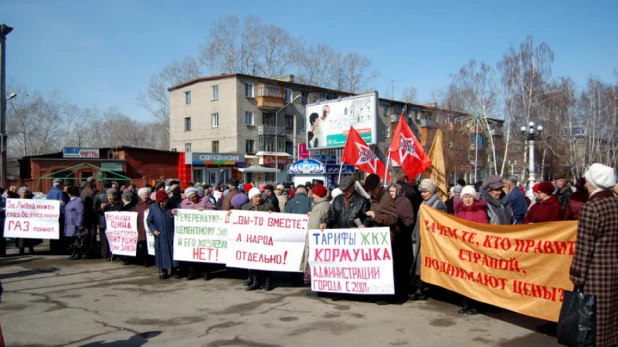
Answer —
328 122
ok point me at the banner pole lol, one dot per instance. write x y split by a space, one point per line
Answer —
340 168
388 161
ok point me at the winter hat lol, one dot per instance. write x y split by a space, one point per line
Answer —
535 188
261 186
238 200
269 187
143 191
247 187
160 196
546 187
372 181
253 192
600 176
190 191
319 190
457 189
561 176
201 191
461 182
111 191
493 182
468 190
335 193
346 183
427 185
280 187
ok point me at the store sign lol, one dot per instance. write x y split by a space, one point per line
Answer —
303 151
345 169
274 160
112 166
307 166
77 152
215 159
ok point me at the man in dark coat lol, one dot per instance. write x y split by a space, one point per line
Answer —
596 249
270 197
563 188
516 199
161 224
347 207
410 189
300 204
87 196
100 198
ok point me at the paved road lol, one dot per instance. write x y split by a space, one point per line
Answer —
51 301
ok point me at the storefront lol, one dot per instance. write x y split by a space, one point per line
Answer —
214 168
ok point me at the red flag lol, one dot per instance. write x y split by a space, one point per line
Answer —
407 150
357 153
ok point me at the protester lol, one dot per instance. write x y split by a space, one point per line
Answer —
577 201
74 223
283 199
56 193
270 197
596 250
316 217
161 224
239 200
300 203
256 277
454 200
498 208
233 187
143 205
408 186
346 208
547 208
401 240
87 196
114 204
428 189
22 243
516 199
563 188
100 199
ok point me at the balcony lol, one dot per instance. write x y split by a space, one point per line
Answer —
270 96
428 123
271 130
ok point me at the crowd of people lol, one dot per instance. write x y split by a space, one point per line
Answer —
352 204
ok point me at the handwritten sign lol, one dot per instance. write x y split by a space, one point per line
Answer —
266 241
354 261
150 238
523 268
32 219
121 232
200 236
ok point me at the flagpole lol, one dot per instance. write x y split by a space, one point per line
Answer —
340 168
388 161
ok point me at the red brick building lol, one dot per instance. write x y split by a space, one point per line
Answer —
123 164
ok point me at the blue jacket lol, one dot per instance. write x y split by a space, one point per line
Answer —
57 194
73 217
161 220
517 201
300 204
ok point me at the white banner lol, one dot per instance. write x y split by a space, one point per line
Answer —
32 219
354 261
121 232
200 236
266 241
150 238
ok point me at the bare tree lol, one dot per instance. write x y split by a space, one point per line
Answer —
277 51
313 64
409 95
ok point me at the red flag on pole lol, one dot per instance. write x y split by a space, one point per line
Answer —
357 153
407 150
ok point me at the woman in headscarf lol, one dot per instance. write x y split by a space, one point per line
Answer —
74 222
498 208
428 188
24 193
547 208
143 204
401 240
254 281
161 224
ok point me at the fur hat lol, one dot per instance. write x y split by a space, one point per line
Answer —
468 190
561 176
493 182
372 181
253 192
600 176
319 190
346 183
546 187
428 185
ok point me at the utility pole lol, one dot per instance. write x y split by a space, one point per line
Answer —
4 30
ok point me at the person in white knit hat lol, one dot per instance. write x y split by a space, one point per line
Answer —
596 250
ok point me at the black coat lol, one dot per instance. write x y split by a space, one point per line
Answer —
340 218
412 193
100 198
272 199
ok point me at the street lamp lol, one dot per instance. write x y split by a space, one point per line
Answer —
512 163
277 132
532 132
4 31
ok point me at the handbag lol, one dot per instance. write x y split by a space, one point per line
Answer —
577 323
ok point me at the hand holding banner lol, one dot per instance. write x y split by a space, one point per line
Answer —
121 232
201 236
32 219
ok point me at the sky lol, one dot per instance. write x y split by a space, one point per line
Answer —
102 53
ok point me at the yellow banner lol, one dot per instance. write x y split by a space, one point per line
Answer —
522 268
437 170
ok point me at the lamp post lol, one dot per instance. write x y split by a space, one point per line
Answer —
512 163
532 132
4 30
277 133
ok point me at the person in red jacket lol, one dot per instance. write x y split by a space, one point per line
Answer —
547 207
577 200
471 209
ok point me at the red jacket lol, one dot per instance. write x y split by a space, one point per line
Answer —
477 212
548 210
577 200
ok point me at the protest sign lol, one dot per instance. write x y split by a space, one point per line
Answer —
200 236
121 232
32 219
150 238
266 241
354 261
522 268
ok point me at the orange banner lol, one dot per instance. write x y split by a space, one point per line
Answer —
522 268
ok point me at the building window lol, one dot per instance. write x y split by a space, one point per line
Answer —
249 119
188 98
215 120
289 148
289 121
250 146
215 146
288 95
268 119
305 98
303 126
249 90
187 147
188 124
215 92
478 136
